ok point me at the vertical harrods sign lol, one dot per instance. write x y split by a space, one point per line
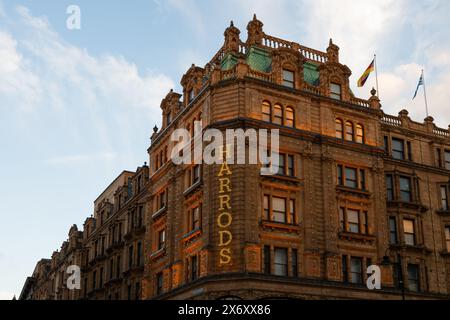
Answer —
225 216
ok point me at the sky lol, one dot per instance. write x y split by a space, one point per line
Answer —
77 107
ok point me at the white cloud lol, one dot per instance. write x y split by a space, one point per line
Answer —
82 158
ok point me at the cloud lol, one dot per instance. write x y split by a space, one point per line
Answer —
81 159
6 295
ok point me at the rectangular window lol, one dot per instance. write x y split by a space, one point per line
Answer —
266 213
266 112
130 256
335 91
281 262
196 174
362 179
292 219
398 149
409 149
409 232
447 159
386 144
389 188
194 268
439 157
118 267
279 210
294 261
161 239
444 198
288 78
350 178
340 175
413 277
353 221
344 269
281 164
159 283
392 231
267 259
447 238
290 171
195 219
139 254
356 270
405 189
342 219
191 95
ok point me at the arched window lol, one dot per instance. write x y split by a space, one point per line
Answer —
339 129
359 133
278 114
290 117
349 131
266 111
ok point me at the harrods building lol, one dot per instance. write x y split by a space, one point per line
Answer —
355 187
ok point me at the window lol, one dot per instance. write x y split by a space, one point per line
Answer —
386 144
288 78
356 270
266 111
196 174
447 238
409 232
290 117
281 164
405 189
349 131
393 231
161 239
344 269
111 269
447 160
439 157
194 268
444 198
279 210
413 277
294 262
162 200
267 259
353 221
340 175
130 256
350 178
389 188
335 91
339 129
359 133
362 179
281 262
191 95
139 254
398 149
195 219
290 167
159 283
94 280
101 278
168 118
266 213
138 291
292 219
118 267
409 150
278 115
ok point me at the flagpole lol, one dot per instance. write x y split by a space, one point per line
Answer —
376 75
425 92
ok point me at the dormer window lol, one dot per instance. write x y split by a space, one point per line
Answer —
288 78
335 91
168 118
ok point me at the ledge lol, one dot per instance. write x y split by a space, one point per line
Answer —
364 238
272 225
191 236
159 212
445 213
193 187
353 191
408 205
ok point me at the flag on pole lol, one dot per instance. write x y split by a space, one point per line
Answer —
366 74
418 86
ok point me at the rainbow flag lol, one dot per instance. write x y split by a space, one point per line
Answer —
366 74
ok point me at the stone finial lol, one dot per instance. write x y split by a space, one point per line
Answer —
255 32
232 39
374 101
403 113
155 129
145 163
333 52
429 119
373 92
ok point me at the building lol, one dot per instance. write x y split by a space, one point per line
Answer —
356 187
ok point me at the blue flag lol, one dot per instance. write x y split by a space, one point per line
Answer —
418 86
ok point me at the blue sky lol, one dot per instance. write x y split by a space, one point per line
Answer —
78 107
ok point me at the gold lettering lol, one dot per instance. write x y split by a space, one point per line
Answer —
222 242
224 170
225 256
225 183
220 222
224 202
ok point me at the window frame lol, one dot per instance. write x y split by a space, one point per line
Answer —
407 235
278 118
349 135
290 117
267 117
290 83
394 152
337 95
339 128
283 263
